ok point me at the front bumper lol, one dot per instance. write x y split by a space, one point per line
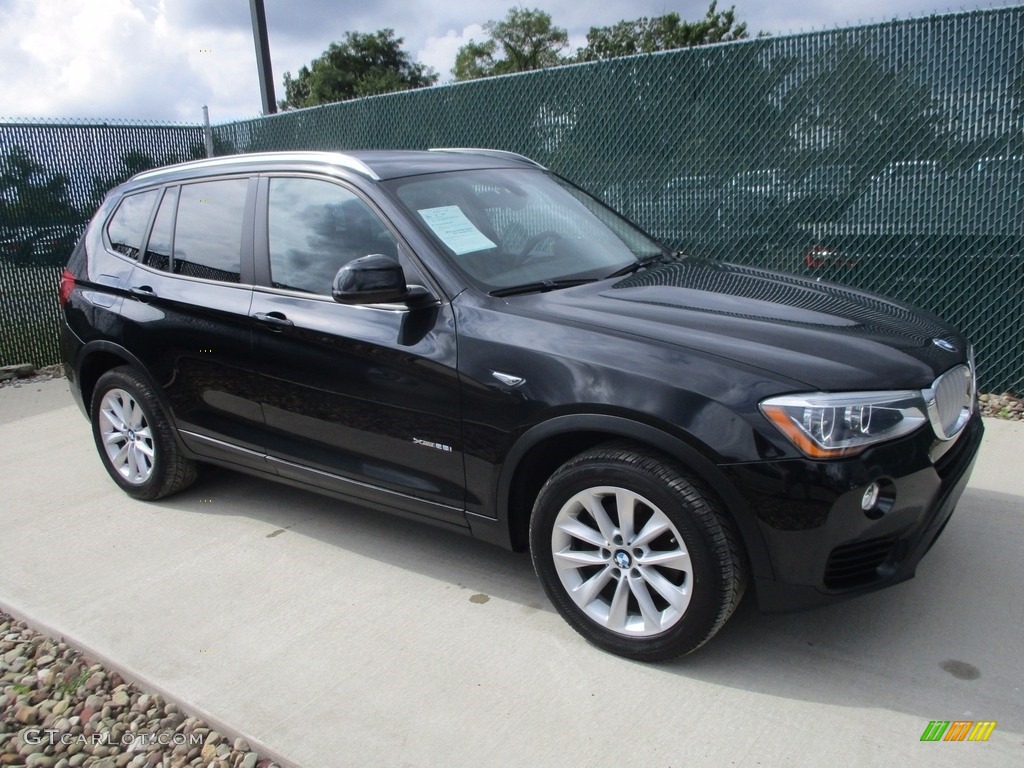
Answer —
823 545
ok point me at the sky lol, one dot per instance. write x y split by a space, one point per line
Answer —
162 60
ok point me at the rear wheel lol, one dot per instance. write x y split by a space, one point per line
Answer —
134 437
636 554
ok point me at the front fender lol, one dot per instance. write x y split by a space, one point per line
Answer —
500 530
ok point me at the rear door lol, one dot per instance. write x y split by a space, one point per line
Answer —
363 400
188 320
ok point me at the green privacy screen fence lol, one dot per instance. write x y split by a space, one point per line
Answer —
52 177
888 156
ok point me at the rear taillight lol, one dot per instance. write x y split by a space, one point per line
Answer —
67 284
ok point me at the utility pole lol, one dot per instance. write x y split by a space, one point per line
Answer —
259 34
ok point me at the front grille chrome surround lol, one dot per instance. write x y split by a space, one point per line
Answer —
951 401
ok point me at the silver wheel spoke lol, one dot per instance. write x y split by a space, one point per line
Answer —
120 457
596 510
139 460
573 558
677 597
651 615
586 592
620 603
135 420
142 458
625 505
133 463
116 407
656 526
111 418
677 560
584 533
608 570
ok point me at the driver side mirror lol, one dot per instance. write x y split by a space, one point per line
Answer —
374 279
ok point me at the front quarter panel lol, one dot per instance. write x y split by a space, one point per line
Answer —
576 369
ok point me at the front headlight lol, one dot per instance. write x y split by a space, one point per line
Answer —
829 426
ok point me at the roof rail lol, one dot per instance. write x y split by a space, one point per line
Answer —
338 158
499 153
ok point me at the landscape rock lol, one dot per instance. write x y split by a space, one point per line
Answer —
51 685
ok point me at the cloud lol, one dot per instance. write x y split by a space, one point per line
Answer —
439 52
116 58
164 59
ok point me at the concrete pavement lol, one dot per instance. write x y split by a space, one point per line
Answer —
337 637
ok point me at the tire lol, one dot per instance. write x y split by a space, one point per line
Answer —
653 589
135 439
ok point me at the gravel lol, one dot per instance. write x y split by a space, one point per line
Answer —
59 710
37 375
1004 406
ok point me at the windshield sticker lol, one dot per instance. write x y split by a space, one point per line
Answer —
455 230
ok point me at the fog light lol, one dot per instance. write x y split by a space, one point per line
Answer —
870 497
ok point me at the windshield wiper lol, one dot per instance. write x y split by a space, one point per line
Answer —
541 285
637 265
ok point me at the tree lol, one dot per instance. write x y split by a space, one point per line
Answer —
361 65
524 40
30 195
136 161
661 33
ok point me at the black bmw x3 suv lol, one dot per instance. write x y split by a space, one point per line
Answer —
463 337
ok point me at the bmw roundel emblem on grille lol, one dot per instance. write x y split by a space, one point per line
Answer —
943 344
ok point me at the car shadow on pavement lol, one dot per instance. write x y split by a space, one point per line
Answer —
950 633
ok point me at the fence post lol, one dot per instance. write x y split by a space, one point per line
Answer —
207 131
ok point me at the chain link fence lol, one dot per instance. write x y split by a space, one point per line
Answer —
889 156
53 175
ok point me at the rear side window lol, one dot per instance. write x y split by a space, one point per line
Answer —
158 249
208 230
127 226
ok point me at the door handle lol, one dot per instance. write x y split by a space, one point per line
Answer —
142 292
275 321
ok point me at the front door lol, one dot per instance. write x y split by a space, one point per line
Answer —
363 400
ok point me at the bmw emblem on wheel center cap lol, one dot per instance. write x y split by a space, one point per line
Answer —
622 559
943 344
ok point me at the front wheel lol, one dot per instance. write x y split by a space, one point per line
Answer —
134 437
636 554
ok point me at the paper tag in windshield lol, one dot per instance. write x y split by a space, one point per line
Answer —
455 230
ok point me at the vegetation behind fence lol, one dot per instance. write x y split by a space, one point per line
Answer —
888 156
52 177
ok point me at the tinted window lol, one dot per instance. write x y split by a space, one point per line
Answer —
315 229
208 230
128 225
158 250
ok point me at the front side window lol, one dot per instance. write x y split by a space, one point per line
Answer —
208 230
127 226
315 228
512 227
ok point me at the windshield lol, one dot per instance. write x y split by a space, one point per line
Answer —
507 228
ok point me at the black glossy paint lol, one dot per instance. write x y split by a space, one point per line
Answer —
398 406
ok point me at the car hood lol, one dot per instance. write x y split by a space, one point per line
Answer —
826 336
